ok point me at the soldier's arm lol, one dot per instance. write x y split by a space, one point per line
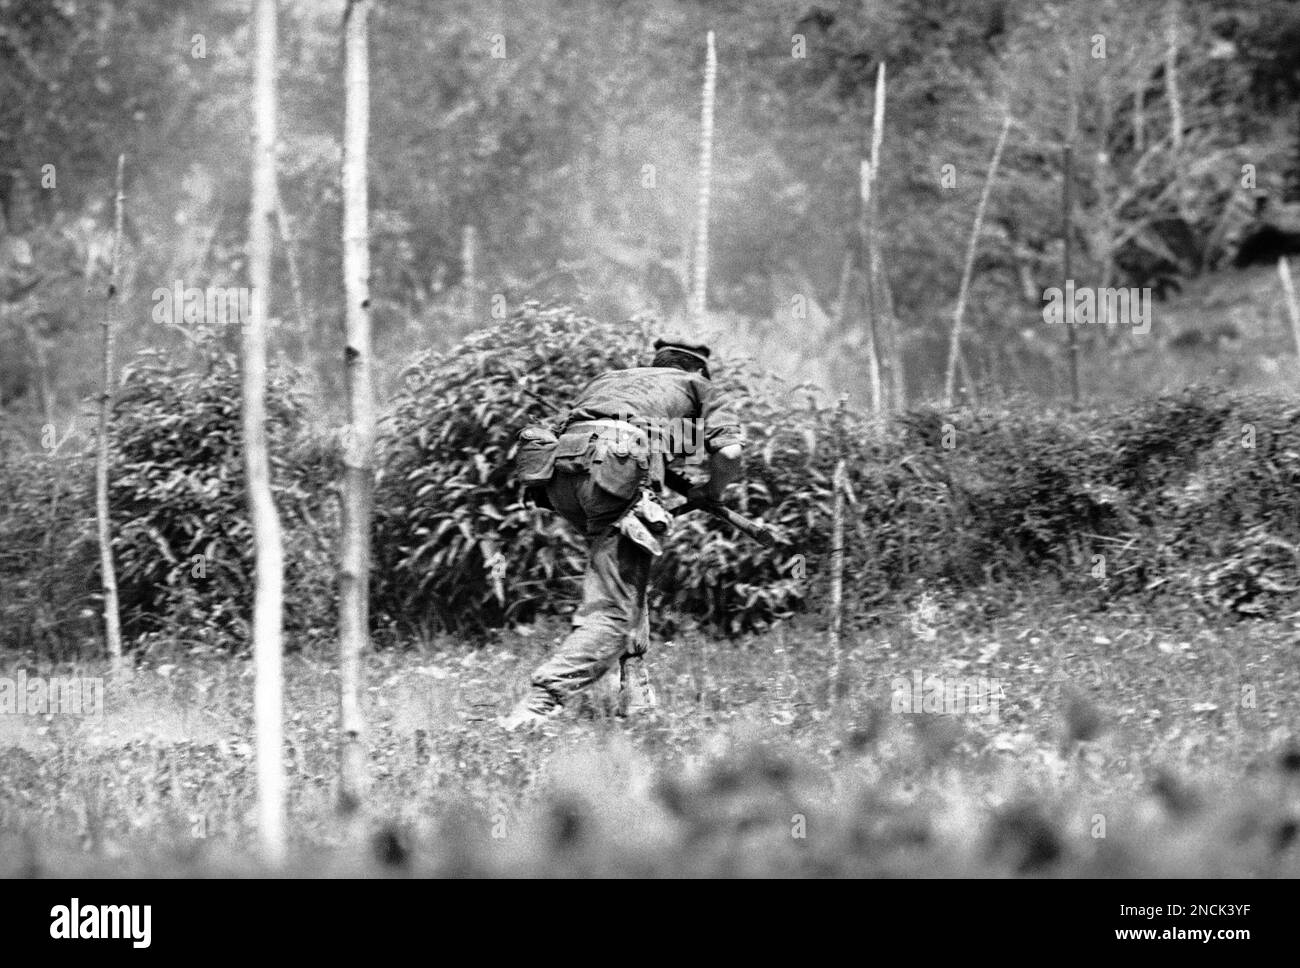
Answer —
724 469
722 439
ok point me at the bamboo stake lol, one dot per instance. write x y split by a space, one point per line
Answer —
1171 79
469 279
1067 270
837 557
107 569
295 277
954 342
358 473
1292 307
864 232
699 296
882 297
268 599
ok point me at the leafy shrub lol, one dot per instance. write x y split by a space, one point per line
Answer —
446 503
1103 503
448 507
47 544
182 540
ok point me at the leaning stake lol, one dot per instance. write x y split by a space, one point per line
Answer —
107 570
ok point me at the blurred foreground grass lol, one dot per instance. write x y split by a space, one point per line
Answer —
1124 744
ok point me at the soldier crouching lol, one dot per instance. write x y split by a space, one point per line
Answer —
608 470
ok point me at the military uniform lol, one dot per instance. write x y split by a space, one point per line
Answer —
605 462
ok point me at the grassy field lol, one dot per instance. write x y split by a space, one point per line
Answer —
1108 744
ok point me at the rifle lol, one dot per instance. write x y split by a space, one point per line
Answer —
757 530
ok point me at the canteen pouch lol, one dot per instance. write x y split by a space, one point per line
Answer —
535 458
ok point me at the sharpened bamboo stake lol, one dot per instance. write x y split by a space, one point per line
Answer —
882 298
954 342
1292 307
268 596
871 330
837 556
699 296
358 468
108 571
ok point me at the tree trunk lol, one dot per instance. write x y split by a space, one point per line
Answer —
268 600
954 341
108 571
358 474
700 282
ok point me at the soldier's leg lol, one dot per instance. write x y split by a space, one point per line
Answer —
605 621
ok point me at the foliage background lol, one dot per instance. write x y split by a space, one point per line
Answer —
542 156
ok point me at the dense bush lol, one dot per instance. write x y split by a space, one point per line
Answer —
183 541
446 503
1159 499
47 544
1193 496
181 536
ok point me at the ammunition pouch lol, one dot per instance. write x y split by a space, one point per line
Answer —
615 454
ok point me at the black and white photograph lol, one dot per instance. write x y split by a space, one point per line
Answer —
650 439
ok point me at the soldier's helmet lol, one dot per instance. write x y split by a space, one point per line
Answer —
668 346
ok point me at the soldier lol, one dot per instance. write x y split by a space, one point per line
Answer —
609 468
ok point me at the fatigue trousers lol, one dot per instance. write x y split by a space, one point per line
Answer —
611 626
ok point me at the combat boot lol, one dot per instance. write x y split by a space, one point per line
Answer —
636 695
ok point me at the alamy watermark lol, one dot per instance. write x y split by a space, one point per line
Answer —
24 695
1088 305
658 435
950 695
214 306
76 921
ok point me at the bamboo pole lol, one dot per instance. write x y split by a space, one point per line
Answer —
1292 307
874 381
295 276
469 276
1172 89
358 473
268 599
882 297
107 569
954 341
838 486
1067 270
699 294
